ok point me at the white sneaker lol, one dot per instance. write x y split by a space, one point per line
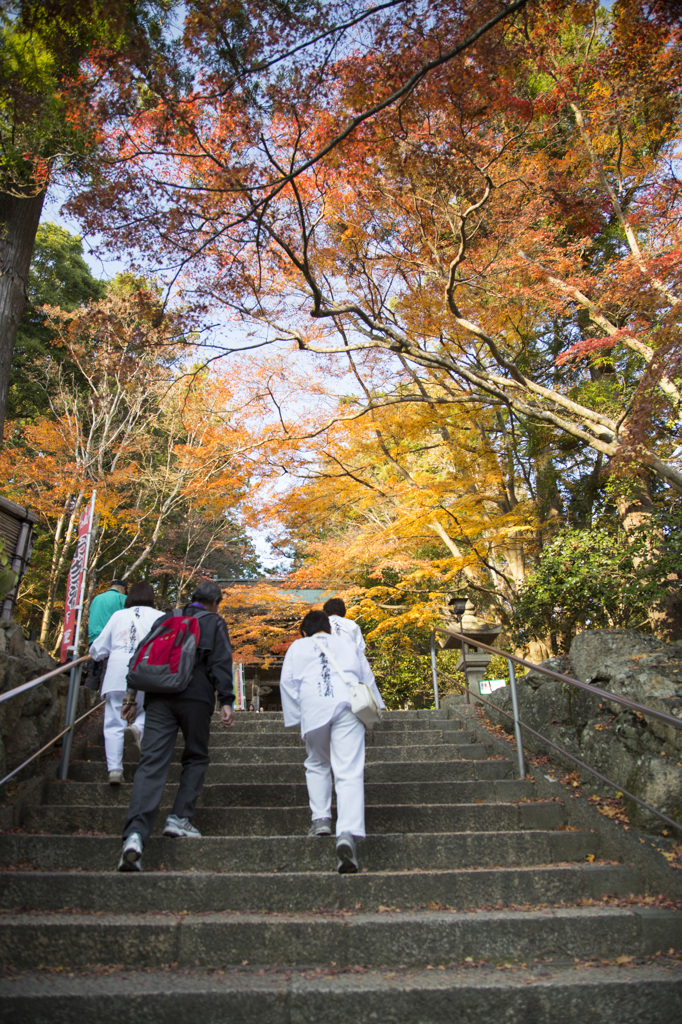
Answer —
346 854
180 828
133 737
115 777
131 854
321 827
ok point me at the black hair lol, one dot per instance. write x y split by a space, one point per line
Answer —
315 622
207 592
119 583
140 593
335 606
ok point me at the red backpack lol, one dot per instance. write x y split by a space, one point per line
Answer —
164 660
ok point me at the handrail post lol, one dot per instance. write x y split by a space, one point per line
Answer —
517 724
71 706
434 671
466 671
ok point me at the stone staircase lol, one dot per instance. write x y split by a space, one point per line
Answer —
478 901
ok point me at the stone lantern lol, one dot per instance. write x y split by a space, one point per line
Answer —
459 614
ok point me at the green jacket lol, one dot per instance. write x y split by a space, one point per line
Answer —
101 609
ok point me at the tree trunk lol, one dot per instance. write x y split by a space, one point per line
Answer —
665 616
19 219
550 504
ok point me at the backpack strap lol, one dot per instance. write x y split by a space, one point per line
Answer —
198 613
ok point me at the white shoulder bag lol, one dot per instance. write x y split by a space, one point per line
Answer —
363 703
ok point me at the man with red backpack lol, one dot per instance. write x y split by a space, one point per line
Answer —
185 704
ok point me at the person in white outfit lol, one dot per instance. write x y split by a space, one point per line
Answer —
341 626
118 641
316 696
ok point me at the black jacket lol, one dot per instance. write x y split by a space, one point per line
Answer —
213 666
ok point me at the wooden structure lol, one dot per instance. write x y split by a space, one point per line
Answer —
16 532
283 615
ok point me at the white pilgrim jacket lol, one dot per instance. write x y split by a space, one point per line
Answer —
310 687
347 628
118 641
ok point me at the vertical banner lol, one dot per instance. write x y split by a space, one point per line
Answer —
239 688
75 584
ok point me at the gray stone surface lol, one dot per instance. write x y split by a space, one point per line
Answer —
537 994
30 719
373 939
283 821
287 794
203 891
94 770
278 853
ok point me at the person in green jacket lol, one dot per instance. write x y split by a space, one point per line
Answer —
103 607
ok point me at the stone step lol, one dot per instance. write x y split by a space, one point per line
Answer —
284 821
375 771
288 794
463 872
427 714
280 853
295 754
217 892
292 738
263 723
385 738
388 715
421 715
646 994
372 939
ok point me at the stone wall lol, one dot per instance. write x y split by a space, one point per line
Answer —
31 719
640 754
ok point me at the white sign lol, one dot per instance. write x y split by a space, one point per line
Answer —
488 685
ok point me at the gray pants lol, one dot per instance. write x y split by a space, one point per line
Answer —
164 716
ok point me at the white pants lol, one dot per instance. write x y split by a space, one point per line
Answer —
115 726
338 747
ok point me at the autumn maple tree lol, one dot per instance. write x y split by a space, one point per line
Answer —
129 419
426 489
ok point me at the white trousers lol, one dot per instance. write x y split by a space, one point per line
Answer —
338 747
115 726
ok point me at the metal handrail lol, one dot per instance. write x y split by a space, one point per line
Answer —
518 724
605 694
75 668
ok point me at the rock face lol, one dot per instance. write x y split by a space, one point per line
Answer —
640 754
31 719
